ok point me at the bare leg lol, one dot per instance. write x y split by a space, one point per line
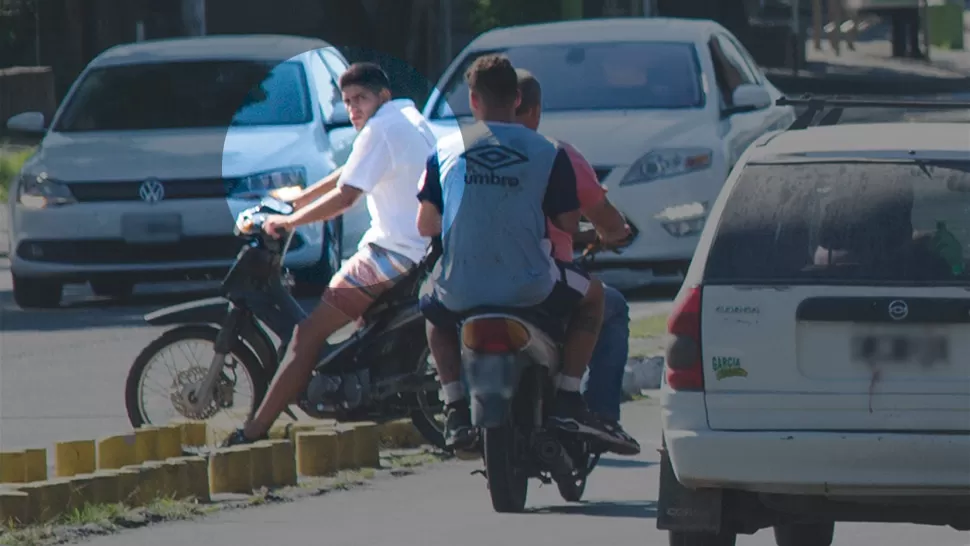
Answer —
308 342
583 332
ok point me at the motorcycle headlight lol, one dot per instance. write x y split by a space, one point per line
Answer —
40 192
257 186
659 164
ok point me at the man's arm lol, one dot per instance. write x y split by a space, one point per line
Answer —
322 187
430 198
561 202
610 225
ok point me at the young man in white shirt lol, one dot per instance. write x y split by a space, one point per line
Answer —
388 156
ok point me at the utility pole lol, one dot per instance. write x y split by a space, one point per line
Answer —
193 17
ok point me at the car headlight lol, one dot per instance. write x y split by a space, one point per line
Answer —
257 186
666 163
40 192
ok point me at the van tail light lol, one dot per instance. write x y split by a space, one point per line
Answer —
684 368
494 335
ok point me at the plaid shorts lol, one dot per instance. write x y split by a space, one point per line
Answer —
364 277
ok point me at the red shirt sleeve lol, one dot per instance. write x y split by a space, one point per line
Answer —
590 191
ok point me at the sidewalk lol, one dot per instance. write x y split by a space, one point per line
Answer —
871 70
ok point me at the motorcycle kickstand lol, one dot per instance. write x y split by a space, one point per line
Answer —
289 413
482 472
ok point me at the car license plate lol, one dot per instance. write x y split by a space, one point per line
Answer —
926 350
152 228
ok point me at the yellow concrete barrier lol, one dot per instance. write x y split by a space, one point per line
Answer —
367 445
35 465
111 485
261 465
129 483
317 453
347 448
169 442
146 444
148 481
193 433
194 477
73 458
93 489
164 479
13 467
284 462
116 451
47 499
400 434
14 507
229 470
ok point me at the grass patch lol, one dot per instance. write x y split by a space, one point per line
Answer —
649 327
10 165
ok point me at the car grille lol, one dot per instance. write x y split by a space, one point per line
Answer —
117 251
206 188
602 172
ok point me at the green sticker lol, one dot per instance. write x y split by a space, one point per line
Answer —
728 366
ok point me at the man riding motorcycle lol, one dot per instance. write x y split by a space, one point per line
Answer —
491 216
604 381
387 157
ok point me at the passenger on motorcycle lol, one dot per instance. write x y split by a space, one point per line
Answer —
488 191
387 157
604 383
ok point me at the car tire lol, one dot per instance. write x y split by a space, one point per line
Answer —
37 293
693 538
805 534
115 290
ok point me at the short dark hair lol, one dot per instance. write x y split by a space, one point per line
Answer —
530 89
367 75
493 78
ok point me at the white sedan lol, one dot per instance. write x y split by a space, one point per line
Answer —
662 108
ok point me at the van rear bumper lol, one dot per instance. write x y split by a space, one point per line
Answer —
822 463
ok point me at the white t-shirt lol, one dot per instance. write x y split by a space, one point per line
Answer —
386 161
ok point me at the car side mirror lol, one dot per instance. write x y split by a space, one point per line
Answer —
340 118
31 123
748 97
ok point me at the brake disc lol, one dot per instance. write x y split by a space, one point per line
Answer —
187 381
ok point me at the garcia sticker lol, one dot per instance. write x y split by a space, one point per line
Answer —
727 366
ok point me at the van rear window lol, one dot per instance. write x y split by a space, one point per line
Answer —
852 222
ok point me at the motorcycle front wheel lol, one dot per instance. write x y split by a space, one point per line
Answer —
195 343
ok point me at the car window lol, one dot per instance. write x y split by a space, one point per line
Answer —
736 60
326 86
188 95
336 64
845 222
753 67
596 76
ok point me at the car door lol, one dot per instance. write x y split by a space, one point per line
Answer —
341 137
738 129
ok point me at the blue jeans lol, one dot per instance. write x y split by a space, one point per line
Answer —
603 382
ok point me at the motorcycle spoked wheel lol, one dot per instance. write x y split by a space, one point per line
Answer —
206 334
427 407
508 481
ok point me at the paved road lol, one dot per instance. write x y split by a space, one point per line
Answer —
445 506
62 372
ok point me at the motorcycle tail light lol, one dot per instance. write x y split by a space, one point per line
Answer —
494 335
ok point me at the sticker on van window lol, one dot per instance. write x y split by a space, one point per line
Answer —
727 366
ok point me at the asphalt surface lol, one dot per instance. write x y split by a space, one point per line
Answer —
446 506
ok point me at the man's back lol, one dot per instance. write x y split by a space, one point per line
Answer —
494 179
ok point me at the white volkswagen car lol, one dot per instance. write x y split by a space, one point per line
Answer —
662 108
155 149
818 366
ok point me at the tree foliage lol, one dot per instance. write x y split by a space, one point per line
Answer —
17 32
488 14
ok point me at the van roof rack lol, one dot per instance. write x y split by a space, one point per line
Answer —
835 106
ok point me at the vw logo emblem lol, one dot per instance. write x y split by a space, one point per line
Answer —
898 309
151 191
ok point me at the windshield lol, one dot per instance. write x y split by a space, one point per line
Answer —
188 95
596 76
845 222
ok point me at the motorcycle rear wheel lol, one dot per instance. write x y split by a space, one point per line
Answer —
508 484
206 334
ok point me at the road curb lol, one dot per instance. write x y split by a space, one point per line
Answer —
152 463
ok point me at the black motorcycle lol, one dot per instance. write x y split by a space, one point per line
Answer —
510 357
382 371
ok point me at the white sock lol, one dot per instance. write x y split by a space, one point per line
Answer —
454 392
569 384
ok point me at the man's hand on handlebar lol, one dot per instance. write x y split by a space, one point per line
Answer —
276 224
